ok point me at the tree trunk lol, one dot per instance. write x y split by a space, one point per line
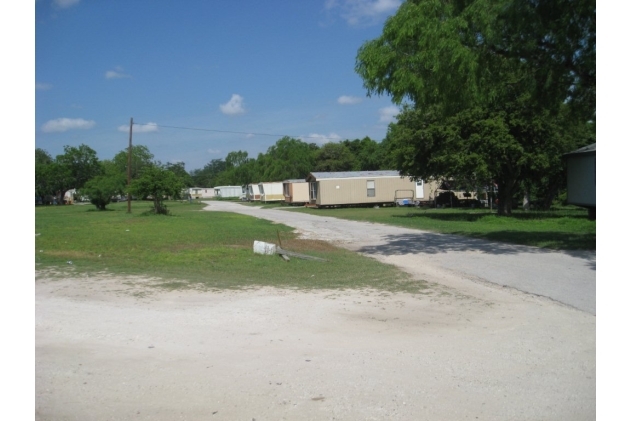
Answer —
505 192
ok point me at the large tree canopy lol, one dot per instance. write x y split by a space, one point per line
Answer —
495 86
464 53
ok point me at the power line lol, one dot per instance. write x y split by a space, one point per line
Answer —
233 132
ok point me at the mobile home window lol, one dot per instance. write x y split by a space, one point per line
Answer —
313 190
370 186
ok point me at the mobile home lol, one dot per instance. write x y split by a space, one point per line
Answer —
364 187
201 192
252 192
229 192
296 192
581 178
271 191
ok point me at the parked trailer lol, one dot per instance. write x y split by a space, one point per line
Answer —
296 192
271 192
229 192
252 192
201 192
362 188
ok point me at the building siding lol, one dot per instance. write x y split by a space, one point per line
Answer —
355 190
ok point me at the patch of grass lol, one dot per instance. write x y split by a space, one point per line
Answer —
565 228
194 248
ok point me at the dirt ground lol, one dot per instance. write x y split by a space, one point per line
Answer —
109 348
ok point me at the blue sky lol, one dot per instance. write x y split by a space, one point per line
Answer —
263 69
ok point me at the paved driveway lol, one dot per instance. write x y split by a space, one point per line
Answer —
566 277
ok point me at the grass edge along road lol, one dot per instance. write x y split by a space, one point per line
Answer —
193 248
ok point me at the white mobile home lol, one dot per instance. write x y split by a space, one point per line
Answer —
271 192
229 192
363 187
296 192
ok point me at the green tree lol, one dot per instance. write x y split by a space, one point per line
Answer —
207 176
51 180
458 54
335 157
178 168
367 152
509 146
102 188
82 163
288 158
141 157
478 74
236 159
42 162
157 182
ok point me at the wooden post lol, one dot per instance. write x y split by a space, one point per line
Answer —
131 124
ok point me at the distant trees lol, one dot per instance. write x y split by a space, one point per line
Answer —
70 170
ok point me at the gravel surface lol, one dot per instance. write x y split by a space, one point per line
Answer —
109 348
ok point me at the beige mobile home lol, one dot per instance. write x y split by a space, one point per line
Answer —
296 192
252 192
271 192
201 192
363 187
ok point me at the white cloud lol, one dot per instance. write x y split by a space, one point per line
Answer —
65 3
234 106
321 138
117 73
65 124
349 100
357 12
388 114
43 86
214 151
140 128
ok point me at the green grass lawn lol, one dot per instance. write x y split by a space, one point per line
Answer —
565 228
195 247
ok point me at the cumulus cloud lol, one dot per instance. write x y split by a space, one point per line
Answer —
357 12
65 3
388 114
234 106
321 138
140 128
117 73
349 100
43 86
65 124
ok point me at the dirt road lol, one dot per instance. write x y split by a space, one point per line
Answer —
110 348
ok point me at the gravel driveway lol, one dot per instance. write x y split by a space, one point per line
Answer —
566 277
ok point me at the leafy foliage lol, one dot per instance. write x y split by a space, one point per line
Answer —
100 189
157 182
499 89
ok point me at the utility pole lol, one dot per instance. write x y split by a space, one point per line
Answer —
131 124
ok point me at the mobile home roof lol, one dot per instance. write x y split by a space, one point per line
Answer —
353 174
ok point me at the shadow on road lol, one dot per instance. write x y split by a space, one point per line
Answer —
433 243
